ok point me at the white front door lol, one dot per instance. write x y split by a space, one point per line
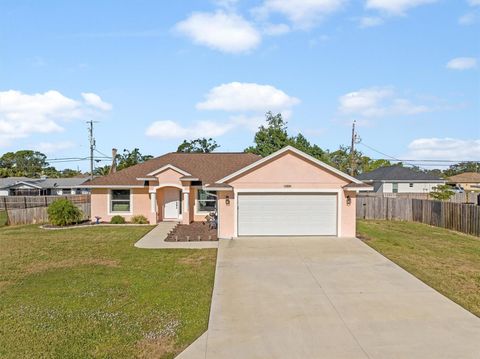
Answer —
171 203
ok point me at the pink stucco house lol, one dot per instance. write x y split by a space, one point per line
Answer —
286 193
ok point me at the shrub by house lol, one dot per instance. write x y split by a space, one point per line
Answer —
63 213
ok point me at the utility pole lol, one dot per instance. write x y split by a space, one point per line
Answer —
355 139
91 138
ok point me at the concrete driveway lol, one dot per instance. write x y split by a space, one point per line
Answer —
327 298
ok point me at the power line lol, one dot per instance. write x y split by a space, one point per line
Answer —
103 154
384 154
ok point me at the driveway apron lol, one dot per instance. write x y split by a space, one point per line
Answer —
326 297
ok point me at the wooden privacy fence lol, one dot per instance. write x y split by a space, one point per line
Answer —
16 202
466 197
36 215
456 216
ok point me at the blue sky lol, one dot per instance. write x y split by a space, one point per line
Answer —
153 74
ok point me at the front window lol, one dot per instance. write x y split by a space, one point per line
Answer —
207 201
120 200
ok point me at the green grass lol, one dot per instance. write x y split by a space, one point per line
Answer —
445 260
3 218
88 293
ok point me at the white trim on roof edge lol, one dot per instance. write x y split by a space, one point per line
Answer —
27 184
282 151
119 186
169 166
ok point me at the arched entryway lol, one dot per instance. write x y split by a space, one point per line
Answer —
169 203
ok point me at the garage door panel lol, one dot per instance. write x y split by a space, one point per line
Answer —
287 214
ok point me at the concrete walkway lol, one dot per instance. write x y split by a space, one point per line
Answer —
155 239
327 298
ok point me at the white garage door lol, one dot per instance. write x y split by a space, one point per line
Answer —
280 214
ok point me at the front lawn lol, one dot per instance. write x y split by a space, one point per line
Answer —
3 218
445 260
88 293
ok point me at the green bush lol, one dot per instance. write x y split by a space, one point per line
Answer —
442 192
62 212
117 220
139 219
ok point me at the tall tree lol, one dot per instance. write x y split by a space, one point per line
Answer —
131 158
270 138
23 163
51 172
199 145
274 135
102 171
462 167
68 173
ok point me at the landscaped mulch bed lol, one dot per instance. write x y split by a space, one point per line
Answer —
193 232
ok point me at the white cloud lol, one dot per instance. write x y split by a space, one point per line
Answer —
370 21
444 149
171 130
302 13
96 101
52 147
378 102
276 29
474 2
462 63
248 101
226 32
242 96
23 114
251 123
396 7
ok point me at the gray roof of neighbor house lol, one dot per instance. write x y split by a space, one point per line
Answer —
207 167
43 182
10 181
398 173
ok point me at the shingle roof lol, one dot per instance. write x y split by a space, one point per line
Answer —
467 177
10 181
62 182
43 182
397 173
208 167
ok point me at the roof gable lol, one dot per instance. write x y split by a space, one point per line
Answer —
297 152
166 167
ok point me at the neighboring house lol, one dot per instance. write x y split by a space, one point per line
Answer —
286 193
469 181
398 179
24 186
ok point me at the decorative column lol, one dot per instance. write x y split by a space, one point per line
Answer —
153 207
186 206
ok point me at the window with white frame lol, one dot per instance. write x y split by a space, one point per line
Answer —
120 200
206 201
